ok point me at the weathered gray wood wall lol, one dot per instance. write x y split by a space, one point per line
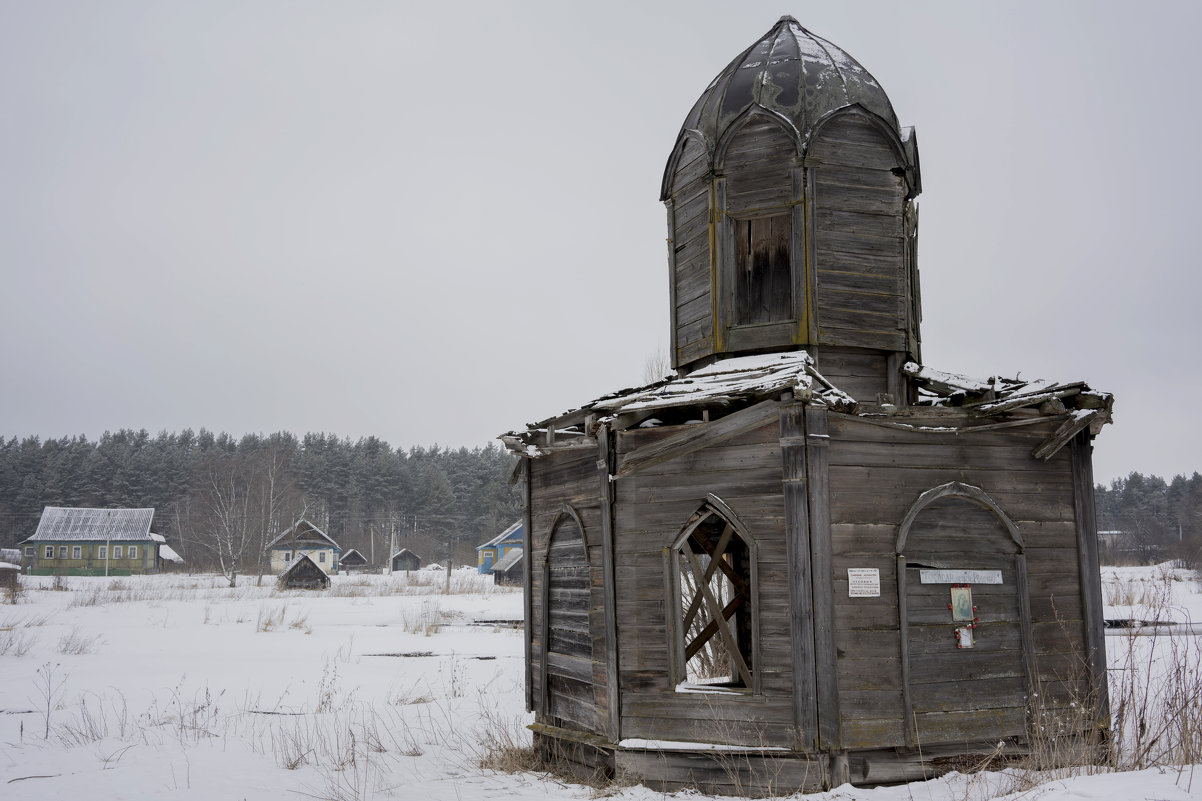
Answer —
857 192
575 693
652 506
876 473
690 255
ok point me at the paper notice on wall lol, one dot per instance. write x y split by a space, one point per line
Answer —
863 582
960 576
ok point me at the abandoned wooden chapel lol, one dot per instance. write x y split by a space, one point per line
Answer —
806 558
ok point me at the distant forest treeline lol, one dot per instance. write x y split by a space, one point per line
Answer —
217 499
1158 519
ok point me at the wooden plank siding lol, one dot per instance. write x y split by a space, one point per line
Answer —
652 506
690 253
858 200
757 167
573 666
876 474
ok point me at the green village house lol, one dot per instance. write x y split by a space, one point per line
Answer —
96 542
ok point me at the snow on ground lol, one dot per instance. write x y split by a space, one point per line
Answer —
165 687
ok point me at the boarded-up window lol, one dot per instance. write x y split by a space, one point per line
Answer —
763 277
569 668
715 585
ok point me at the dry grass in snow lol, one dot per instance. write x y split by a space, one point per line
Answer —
384 687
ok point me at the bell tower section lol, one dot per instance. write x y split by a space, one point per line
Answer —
791 218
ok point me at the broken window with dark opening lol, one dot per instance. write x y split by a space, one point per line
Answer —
715 579
763 275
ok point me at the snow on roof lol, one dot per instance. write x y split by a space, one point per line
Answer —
502 536
168 553
74 524
9 566
511 558
296 560
295 532
736 381
729 380
995 395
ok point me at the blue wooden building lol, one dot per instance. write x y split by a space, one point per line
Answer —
495 549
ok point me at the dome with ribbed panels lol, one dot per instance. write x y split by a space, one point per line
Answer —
788 71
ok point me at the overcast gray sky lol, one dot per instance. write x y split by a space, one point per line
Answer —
434 224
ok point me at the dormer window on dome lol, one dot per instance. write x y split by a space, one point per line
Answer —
790 214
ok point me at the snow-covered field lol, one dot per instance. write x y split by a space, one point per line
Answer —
383 687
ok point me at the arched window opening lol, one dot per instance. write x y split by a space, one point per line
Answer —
716 593
763 274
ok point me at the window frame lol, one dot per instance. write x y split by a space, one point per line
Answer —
673 565
77 552
30 550
744 227
62 552
132 551
48 552
102 552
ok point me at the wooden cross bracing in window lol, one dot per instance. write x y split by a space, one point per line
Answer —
719 615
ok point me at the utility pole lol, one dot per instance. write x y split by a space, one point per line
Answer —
108 527
391 542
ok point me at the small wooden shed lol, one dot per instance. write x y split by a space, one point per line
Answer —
808 558
302 573
510 571
352 560
10 569
405 559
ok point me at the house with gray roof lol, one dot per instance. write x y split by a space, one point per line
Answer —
80 541
304 537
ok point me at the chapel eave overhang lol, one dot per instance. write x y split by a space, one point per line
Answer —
735 386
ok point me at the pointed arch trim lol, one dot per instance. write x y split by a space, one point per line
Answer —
736 126
569 513
956 489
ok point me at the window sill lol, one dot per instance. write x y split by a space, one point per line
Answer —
688 687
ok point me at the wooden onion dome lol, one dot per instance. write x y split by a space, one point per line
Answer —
790 211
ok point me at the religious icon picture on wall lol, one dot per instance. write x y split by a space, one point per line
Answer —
962 604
